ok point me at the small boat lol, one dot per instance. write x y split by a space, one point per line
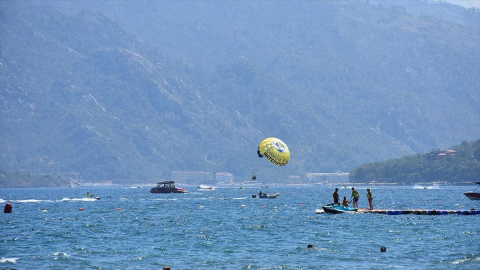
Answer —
167 187
267 196
416 186
472 195
338 209
205 187
92 196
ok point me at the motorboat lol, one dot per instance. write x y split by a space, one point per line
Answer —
338 209
205 187
472 195
417 186
266 196
167 187
269 196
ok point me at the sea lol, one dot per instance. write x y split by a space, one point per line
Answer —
226 228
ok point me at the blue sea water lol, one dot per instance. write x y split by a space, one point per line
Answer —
227 229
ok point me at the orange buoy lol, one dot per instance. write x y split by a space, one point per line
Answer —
81 209
8 208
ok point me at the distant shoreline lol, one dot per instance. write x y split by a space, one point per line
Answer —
262 185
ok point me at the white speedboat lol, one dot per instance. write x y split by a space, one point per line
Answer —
205 187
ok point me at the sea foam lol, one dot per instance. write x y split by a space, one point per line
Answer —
11 260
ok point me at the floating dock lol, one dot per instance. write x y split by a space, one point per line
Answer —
429 212
432 212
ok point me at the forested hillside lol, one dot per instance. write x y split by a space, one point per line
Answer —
459 164
130 91
24 179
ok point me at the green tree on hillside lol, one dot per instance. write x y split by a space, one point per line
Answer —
461 164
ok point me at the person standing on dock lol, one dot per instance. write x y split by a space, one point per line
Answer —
336 197
355 196
370 198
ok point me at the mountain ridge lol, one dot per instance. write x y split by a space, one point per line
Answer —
82 94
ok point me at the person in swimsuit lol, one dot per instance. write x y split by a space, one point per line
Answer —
345 202
370 198
336 197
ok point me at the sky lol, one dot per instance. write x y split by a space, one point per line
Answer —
465 3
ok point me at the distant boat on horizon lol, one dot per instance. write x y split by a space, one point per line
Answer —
417 186
205 187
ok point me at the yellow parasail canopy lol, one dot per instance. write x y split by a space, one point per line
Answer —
274 150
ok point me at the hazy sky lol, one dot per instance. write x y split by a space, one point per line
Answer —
465 3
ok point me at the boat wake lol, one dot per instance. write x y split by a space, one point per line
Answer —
425 187
65 199
32 201
467 260
165 199
10 260
58 255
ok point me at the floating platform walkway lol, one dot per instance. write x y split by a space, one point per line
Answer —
430 212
